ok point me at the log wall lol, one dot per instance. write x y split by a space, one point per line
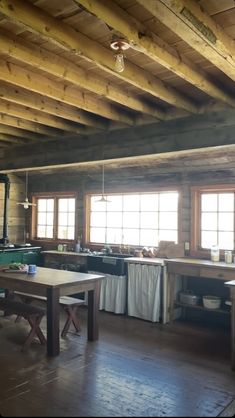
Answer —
16 214
116 183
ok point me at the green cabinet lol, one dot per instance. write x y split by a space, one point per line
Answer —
32 257
10 257
28 256
24 256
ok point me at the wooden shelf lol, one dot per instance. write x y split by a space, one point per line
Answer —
202 308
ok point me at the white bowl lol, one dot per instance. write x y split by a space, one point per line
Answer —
211 302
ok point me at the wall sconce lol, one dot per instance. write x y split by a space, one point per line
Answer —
119 45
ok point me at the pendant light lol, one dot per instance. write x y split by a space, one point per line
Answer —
119 45
26 204
103 198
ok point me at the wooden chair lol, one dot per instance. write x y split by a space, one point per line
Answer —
32 314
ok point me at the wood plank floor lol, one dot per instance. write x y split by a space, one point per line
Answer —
137 368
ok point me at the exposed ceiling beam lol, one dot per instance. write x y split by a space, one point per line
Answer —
35 101
30 126
29 80
36 116
101 148
188 20
151 45
19 133
42 59
53 30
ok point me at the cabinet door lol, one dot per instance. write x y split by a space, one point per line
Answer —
11 257
31 257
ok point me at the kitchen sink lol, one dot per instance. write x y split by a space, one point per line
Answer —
112 263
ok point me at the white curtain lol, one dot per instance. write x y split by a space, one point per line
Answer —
112 293
144 300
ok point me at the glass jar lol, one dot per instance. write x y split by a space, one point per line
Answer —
215 253
228 257
60 247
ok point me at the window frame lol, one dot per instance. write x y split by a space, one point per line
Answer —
87 206
196 192
56 196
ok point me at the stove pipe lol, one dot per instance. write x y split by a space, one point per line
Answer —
5 179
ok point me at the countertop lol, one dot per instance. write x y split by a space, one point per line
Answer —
15 249
72 253
145 260
201 262
140 260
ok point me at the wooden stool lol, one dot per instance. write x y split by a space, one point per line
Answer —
32 314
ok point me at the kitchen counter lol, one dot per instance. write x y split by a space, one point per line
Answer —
205 269
145 260
69 253
17 249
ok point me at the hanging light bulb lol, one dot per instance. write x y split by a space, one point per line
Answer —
119 45
26 204
119 62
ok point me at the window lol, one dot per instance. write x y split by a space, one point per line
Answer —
141 219
54 217
214 211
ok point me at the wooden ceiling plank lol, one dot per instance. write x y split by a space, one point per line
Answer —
31 81
29 126
53 30
21 96
154 47
19 133
42 59
43 104
26 113
187 19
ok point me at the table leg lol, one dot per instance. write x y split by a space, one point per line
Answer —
53 322
93 310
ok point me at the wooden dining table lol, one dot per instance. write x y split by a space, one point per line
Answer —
52 284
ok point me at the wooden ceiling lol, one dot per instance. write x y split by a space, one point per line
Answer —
57 69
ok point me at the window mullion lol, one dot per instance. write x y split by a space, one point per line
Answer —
56 221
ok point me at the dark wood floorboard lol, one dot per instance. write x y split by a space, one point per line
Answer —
137 368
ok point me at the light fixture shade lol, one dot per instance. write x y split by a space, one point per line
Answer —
26 204
103 199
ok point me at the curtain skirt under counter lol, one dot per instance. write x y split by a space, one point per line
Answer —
144 291
113 294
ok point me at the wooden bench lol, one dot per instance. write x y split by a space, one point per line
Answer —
32 314
69 304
